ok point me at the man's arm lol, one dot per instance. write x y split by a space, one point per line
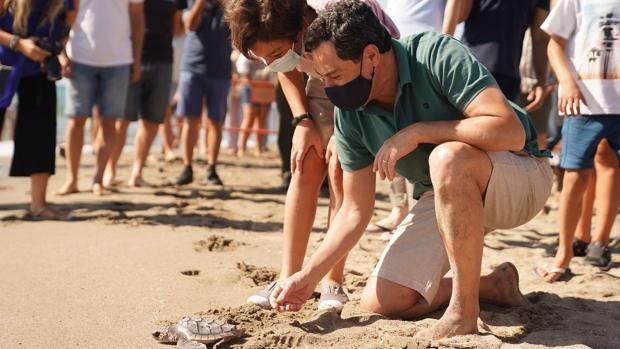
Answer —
136 15
194 16
456 11
343 234
490 124
177 23
540 39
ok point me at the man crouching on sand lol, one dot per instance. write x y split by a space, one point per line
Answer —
426 108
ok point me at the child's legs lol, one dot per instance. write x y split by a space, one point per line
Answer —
581 136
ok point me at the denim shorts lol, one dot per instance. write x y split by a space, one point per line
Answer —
196 88
105 87
149 97
581 136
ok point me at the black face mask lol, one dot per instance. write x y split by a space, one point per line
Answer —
353 94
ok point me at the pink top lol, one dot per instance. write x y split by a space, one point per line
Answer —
319 5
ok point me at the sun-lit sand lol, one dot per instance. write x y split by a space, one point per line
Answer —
140 258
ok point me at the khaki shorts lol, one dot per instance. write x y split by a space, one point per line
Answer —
415 256
321 108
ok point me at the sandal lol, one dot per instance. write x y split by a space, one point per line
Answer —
580 248
552 274
599 255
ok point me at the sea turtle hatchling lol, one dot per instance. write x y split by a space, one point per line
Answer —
196 333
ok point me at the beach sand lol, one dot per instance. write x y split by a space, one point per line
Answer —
141 258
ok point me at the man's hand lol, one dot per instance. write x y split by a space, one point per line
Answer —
306 136
292 293
392 150
29 48
136 73
536 98
66 65
568 99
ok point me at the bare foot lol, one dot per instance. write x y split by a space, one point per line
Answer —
138 182
390 222
451 324
49 213
109 179
67 188
98 189
506 283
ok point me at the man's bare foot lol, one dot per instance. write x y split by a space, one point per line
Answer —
451 324
505 279
48 213
99 189
67 188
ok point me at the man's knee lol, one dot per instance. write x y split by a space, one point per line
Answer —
452 162
386 298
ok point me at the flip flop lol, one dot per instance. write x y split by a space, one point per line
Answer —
552 274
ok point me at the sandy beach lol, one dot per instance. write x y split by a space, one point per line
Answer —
144 257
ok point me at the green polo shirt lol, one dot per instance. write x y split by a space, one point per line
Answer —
438 78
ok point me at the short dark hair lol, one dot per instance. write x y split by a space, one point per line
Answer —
351 26
264 20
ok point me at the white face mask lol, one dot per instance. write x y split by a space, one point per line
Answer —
285 63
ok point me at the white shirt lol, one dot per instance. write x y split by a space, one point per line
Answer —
101 34
416 16
592 28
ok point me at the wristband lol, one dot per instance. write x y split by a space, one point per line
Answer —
297 119
13 42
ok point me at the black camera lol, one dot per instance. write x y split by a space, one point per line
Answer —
51 64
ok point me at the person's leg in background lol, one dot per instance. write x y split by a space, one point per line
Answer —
581 135
154 96
607 202
249 114
191 95
400 207
217 103
169 139
285 136
260 127
83 86
35 142
114 87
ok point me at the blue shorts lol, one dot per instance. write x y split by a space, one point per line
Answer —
105 87
194 89
581 136
149 97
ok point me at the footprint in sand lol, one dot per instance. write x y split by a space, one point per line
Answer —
216 243
259 275
190 272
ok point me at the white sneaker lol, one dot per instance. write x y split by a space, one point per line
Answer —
332 298
262 298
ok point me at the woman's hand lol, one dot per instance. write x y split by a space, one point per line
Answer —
292 293
29 48
306 136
